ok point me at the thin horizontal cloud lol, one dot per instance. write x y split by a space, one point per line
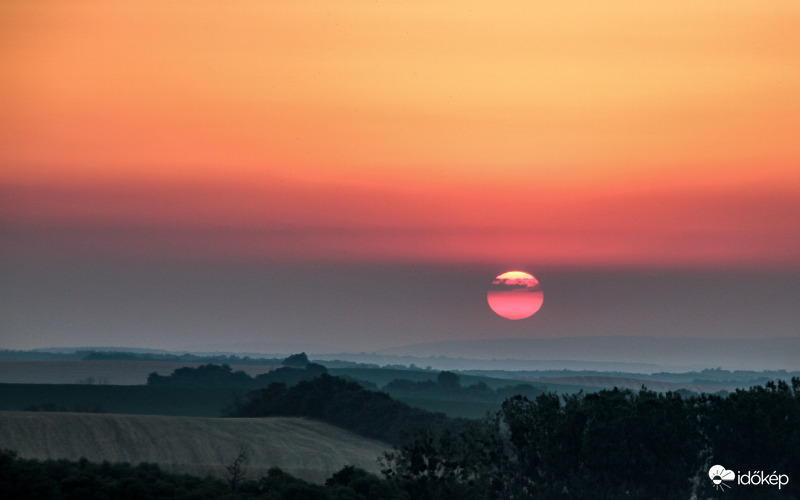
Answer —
566 246
347 222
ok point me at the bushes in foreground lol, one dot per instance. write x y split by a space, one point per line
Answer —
608 444
82 480
612 444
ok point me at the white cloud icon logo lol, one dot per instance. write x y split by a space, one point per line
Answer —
718 473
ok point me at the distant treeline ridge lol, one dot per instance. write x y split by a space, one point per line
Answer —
447 385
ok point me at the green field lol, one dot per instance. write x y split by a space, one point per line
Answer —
130 399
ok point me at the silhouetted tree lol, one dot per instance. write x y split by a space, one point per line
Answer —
234 470
448 381
208 375
296 361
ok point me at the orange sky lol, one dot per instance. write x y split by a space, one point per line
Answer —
652 133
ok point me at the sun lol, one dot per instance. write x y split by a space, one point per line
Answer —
515 295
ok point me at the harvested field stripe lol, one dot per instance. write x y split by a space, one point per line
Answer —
305 448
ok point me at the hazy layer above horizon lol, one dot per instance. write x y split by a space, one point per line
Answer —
353 308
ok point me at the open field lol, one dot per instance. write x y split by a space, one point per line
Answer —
131 399
114 372
305 448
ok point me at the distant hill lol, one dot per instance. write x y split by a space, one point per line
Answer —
634 384
679 353
307 449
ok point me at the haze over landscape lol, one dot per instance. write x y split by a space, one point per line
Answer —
390 250
272 178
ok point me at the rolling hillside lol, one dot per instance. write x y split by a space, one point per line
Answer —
304 448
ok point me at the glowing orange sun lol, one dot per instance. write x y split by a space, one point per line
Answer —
515 295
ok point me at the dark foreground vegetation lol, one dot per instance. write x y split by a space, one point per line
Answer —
82 480
609 444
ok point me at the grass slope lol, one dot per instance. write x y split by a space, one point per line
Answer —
305 448
134 399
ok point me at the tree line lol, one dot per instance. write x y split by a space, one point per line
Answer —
608 444
447 386
611 444
297 367
294 369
